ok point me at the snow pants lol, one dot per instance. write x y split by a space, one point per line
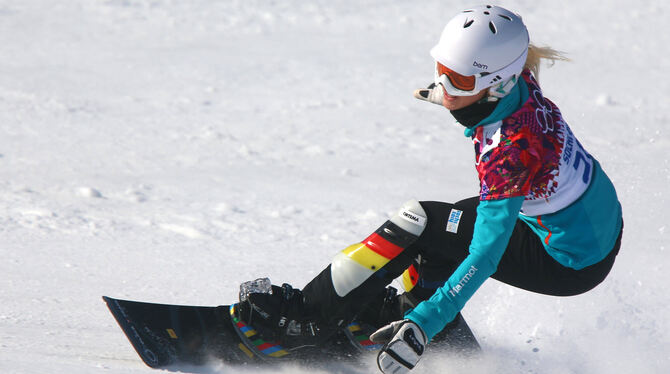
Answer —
436 253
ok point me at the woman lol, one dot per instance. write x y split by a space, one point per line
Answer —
547 218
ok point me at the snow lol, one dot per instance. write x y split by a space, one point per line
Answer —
166 151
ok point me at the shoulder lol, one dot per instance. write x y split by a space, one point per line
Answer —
505 140
507 159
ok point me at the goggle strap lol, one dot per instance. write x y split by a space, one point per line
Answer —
480 79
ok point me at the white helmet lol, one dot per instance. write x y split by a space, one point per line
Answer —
488 42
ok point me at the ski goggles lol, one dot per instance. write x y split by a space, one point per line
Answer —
457 84
455 80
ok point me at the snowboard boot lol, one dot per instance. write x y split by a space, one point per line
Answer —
279 314
387 307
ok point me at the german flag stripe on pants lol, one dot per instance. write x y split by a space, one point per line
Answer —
373 253
409 278
381 246
356 263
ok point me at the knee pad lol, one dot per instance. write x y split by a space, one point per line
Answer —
356 263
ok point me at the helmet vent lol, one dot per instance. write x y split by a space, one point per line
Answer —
492 27
505 17
468 23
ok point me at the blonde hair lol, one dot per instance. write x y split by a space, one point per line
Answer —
536 54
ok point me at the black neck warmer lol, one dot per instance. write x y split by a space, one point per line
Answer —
471 115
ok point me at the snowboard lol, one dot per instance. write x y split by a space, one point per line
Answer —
165 335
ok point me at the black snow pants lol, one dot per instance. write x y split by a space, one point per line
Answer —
437 253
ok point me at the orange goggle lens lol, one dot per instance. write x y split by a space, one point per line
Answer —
461 82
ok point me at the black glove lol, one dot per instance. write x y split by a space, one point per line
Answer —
404 344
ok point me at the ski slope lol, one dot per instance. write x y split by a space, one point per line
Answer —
166 151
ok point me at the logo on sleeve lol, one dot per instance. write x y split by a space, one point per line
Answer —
455 290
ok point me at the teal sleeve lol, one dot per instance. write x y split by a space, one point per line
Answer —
493 228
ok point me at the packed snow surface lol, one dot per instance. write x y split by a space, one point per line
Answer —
166 151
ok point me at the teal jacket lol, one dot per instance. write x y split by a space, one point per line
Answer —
578 235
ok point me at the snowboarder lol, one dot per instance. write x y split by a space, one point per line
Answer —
547 218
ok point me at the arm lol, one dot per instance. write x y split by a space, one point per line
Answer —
493 228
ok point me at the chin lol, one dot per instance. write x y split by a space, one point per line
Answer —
452 104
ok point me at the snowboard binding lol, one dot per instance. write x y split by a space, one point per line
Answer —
254 344
273 323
